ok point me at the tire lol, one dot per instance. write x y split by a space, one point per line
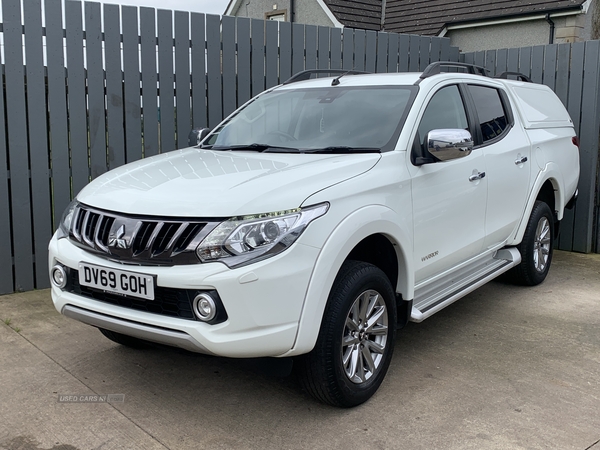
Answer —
536 247
123 339
349 361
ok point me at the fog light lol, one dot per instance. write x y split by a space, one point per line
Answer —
205 307
59 276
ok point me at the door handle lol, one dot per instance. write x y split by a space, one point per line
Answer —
477 176
521 160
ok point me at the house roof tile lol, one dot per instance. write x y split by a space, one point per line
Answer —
429 17
365 14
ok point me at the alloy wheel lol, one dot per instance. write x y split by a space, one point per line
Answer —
365 337
541 245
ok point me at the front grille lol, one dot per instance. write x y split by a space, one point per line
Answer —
167 301
141 240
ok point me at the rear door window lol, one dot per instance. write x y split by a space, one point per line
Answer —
490 111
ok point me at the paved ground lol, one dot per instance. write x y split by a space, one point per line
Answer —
504 368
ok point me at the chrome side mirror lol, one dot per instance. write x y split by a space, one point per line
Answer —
197 135
449 144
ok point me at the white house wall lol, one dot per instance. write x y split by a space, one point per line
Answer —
508 35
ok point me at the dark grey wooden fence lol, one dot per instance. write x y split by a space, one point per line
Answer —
87 95
82 97
573 72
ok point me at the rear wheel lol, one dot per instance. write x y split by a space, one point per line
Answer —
123 339
536 247
356 341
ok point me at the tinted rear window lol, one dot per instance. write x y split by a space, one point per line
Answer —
492 117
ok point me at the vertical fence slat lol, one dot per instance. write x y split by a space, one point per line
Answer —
403 53
244 87
199 116
501 61
549 71
576 82
479 58
537 63
164 25
323 51
149 80
574 107
57 108
359 49
78 128
382 52
424 43
454 54
271 53
38 140
413 53
392 64
370 50
336 47
131 84
258 55
435 50
525 61
310 47
285 51
562 72
6 281
490 61
588 133
348 49
16 122
513 60
95 79
229 95
114 86
182 78
445 49
298 34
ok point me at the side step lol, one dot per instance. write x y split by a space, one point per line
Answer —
436 296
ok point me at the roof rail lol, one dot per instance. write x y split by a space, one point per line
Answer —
519 75
436 68
305 74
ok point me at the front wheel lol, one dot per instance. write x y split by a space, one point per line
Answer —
536 247
356 341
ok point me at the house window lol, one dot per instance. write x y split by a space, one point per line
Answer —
278 15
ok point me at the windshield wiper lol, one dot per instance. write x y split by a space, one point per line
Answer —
267 148
345 149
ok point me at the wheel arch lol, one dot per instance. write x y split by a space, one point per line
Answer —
378 249
548 187
354 238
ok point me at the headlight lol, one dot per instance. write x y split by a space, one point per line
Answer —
67 219
246 239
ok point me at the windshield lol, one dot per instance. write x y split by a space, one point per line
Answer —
328 118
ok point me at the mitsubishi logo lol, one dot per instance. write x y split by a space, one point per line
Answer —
116 240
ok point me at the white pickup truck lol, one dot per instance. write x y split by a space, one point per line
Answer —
320 217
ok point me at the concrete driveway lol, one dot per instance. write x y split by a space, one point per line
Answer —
504 368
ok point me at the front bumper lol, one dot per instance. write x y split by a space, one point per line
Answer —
263 302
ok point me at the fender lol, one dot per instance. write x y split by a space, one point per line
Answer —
374 219
550 172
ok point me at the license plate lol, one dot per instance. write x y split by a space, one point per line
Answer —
121 282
